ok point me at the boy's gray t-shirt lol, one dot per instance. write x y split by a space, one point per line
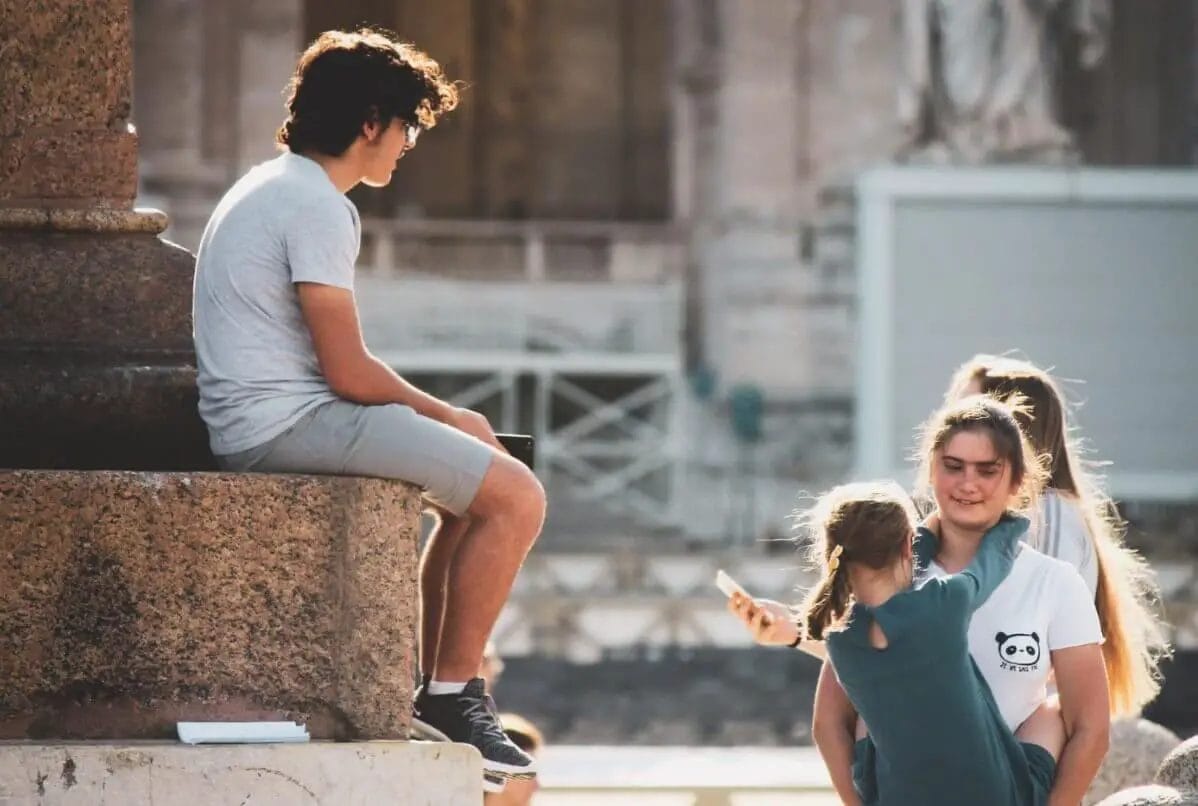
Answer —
283 223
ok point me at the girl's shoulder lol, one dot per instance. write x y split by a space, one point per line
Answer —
1062 533
1034 571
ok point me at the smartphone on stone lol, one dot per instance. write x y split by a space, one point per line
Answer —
522 447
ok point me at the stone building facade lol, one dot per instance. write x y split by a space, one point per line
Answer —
737 123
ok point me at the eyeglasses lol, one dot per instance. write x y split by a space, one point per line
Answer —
411 132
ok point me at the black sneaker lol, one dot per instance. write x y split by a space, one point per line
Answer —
417 730
469 717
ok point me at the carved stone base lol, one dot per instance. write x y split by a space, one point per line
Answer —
96 362
130 601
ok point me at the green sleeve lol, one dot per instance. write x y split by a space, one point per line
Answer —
993 561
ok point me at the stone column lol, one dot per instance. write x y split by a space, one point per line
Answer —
746 186
209 83
64 114
694 122
269 42
96 362
776 100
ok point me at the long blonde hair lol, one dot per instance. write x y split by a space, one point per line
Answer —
1127 599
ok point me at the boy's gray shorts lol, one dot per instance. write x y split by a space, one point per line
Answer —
392 442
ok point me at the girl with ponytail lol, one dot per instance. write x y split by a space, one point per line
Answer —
902 656
1037 625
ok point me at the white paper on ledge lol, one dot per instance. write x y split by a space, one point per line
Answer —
240 732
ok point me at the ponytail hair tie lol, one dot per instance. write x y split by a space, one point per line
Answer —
834 559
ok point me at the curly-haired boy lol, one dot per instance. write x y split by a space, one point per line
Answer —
287 384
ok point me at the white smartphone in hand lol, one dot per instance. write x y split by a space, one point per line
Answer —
729 585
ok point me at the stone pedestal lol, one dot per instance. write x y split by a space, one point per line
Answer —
145 773
130 601
96 362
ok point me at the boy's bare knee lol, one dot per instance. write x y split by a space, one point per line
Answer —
510 489
535 499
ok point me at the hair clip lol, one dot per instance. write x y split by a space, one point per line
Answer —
834 559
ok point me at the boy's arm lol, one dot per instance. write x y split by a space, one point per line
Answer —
355 375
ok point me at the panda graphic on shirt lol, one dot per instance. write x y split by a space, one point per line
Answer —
1020 652
1041 607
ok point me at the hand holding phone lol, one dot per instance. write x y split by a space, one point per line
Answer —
758 616
770 623
729 585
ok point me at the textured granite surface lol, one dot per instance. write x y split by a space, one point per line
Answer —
84 168
65 63
100 411
97 368
66 70
96 219
95 291
1180 767
129 601
1152 795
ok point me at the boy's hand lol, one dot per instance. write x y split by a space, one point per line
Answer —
474 424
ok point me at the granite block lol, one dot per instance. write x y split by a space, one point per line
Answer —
129 601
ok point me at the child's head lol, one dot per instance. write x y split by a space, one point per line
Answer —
867 524
363 84
977 464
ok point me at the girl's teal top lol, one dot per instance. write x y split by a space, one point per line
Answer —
936 735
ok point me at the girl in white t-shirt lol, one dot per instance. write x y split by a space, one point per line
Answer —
1076 522
1040 622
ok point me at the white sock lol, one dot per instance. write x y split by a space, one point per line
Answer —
437 688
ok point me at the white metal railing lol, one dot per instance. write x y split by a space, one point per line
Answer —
423 313
533 251
550 310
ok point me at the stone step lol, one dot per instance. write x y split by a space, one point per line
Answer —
129 601
145 773
109 410
93 290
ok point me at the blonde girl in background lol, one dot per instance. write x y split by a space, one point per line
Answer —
1077 522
